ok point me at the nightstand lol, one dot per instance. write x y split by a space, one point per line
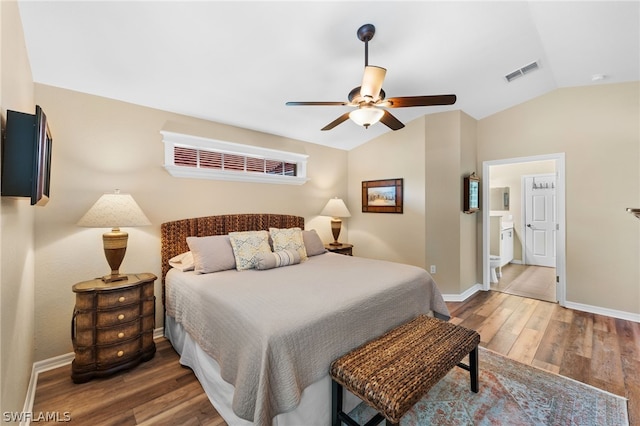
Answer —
112 326
346 249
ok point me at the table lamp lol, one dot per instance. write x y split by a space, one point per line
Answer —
336 209
113 211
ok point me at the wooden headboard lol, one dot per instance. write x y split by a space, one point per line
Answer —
173 235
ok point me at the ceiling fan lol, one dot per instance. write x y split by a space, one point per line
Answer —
369 98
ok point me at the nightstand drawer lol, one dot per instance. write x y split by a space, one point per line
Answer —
117 316
117 334
114 354
112 299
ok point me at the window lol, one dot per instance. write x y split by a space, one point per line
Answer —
197 157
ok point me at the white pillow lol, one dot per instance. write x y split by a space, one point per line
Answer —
288 239
211 254
277 259
247 246
183 262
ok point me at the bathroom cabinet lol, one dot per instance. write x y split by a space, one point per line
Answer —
506 246
501 239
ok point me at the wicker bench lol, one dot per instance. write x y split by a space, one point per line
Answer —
393 372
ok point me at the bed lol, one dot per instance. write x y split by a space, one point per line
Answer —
261 341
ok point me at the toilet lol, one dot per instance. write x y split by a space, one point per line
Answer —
494 265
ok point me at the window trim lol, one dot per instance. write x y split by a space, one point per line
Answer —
172 139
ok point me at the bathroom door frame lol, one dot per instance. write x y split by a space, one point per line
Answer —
561 275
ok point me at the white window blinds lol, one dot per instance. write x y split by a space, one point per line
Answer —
196 157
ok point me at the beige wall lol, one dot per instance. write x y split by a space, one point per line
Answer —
432 153
102 144
598 129
451 234
470 224
390 236
16 228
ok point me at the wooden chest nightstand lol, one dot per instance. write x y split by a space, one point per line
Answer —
341 249
112 326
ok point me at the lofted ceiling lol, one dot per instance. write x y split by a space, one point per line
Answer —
238 62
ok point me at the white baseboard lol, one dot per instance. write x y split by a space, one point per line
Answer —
37 368
158 333
50 364
629 316
464 295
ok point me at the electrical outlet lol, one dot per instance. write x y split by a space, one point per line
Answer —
433 269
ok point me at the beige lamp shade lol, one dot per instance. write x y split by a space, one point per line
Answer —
336 209
113 211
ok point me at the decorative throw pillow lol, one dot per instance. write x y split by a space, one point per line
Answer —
277 259
288 239
183 262
247 246
312 243
211 254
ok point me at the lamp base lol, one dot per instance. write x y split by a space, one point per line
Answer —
114 278
336 225
115 246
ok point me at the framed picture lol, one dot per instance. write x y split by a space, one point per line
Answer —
471 194
382 196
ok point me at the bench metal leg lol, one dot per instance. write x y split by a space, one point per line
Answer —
473 369
336 403
338 416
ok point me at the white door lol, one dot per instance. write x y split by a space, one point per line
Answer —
540 220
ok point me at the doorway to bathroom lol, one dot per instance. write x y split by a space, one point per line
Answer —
533 262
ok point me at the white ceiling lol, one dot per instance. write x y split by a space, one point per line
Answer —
239 62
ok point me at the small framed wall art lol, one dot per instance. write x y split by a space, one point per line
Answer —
471 194
382 196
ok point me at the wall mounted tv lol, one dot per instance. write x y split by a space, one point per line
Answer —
26 157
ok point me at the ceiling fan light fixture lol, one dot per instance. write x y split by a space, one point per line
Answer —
366 116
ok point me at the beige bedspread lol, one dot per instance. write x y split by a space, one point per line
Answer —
275 332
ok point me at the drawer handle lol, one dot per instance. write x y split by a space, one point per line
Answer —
121 299
73 327
121 335
121 316
120 353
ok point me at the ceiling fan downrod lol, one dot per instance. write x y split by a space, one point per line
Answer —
365 33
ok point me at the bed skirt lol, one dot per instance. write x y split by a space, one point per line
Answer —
315 403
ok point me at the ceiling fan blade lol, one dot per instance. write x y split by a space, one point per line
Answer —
344 117
316 103
372 81
414 101
390 121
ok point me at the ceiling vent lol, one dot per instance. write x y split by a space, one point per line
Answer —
522 71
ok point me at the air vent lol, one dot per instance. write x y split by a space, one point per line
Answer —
522 71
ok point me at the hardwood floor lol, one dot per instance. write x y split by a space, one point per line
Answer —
536 282
601 351
157 392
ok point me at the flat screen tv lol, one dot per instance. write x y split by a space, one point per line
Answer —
26 157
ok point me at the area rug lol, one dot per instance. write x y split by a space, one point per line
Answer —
511 393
